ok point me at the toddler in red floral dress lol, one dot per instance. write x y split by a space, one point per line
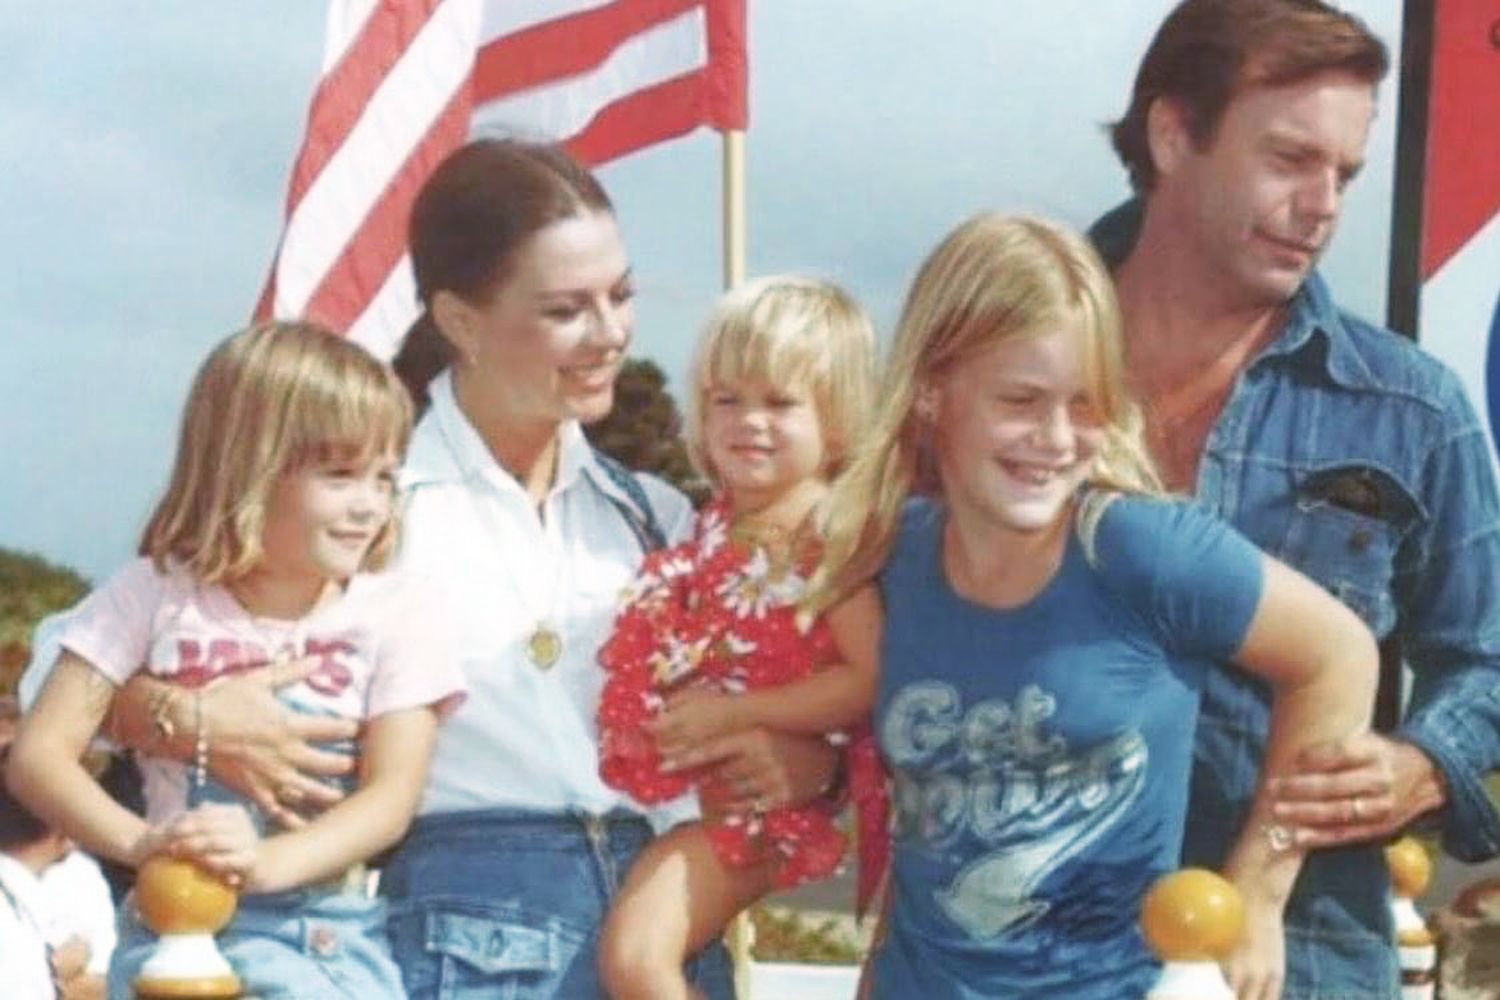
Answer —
710 638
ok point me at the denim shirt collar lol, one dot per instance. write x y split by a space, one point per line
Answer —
1314 334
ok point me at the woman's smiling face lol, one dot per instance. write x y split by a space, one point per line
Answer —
548 342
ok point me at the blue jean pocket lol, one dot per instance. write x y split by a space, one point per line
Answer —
462 950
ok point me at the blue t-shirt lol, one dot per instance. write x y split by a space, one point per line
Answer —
1040 753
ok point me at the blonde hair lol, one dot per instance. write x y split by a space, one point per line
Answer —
269 401
992 278
786 329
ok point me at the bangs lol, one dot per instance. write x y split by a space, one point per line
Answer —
354 416
778 354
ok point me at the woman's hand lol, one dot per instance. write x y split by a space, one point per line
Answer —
759 769
263 749
692 717
256 744
1256 968
218 836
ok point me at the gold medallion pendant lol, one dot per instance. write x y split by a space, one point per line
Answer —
543 646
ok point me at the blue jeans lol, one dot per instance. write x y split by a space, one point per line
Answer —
498 904
301 945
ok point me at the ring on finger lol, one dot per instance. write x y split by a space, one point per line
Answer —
289 794
1357 807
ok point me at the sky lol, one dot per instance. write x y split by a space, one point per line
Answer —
148 149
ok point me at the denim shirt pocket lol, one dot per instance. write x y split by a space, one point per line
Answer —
1346 525
456 949
490 945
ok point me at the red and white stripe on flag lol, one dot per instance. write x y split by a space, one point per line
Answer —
404 82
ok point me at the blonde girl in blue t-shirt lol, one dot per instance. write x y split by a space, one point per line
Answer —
1048 619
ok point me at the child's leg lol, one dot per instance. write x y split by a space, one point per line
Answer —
677 897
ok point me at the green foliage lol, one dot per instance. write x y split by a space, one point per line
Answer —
644 430
30 589
785 935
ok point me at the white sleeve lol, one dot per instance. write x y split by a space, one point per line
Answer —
44 650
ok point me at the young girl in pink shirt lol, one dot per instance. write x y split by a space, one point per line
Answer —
280 509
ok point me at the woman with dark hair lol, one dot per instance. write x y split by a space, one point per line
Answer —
527 294
527 297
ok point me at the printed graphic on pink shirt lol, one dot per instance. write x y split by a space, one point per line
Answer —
198 661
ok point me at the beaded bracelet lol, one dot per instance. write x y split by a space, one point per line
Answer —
200 742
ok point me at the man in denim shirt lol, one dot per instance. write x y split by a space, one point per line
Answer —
1334 445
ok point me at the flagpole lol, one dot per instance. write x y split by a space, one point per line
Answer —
741 932
734 206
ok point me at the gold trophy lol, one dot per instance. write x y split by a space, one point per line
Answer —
1411 871
185 905
1192 918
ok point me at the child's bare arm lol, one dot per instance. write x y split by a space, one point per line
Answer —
393 769
1322 665
46 772
830 698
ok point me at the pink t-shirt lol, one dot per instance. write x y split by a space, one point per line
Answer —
383 646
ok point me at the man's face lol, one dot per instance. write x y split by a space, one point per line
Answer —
1261 200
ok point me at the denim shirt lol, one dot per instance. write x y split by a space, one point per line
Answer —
1350 454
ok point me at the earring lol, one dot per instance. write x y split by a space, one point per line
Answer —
926 406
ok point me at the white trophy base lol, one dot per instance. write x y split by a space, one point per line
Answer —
186 966
1191 981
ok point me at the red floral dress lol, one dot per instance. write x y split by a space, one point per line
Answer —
714 611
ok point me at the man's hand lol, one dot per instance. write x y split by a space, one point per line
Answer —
1357 789
263 749
759 769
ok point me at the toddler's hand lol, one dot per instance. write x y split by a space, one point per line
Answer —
69 959
692 716
220 837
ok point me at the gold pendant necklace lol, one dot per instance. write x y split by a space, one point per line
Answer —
543 646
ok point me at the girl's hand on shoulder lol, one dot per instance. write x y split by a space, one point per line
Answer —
1256 969
693 716
220 837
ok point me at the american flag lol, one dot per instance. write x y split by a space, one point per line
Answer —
406 81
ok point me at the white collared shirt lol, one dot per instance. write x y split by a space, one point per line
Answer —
526 738
24 968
